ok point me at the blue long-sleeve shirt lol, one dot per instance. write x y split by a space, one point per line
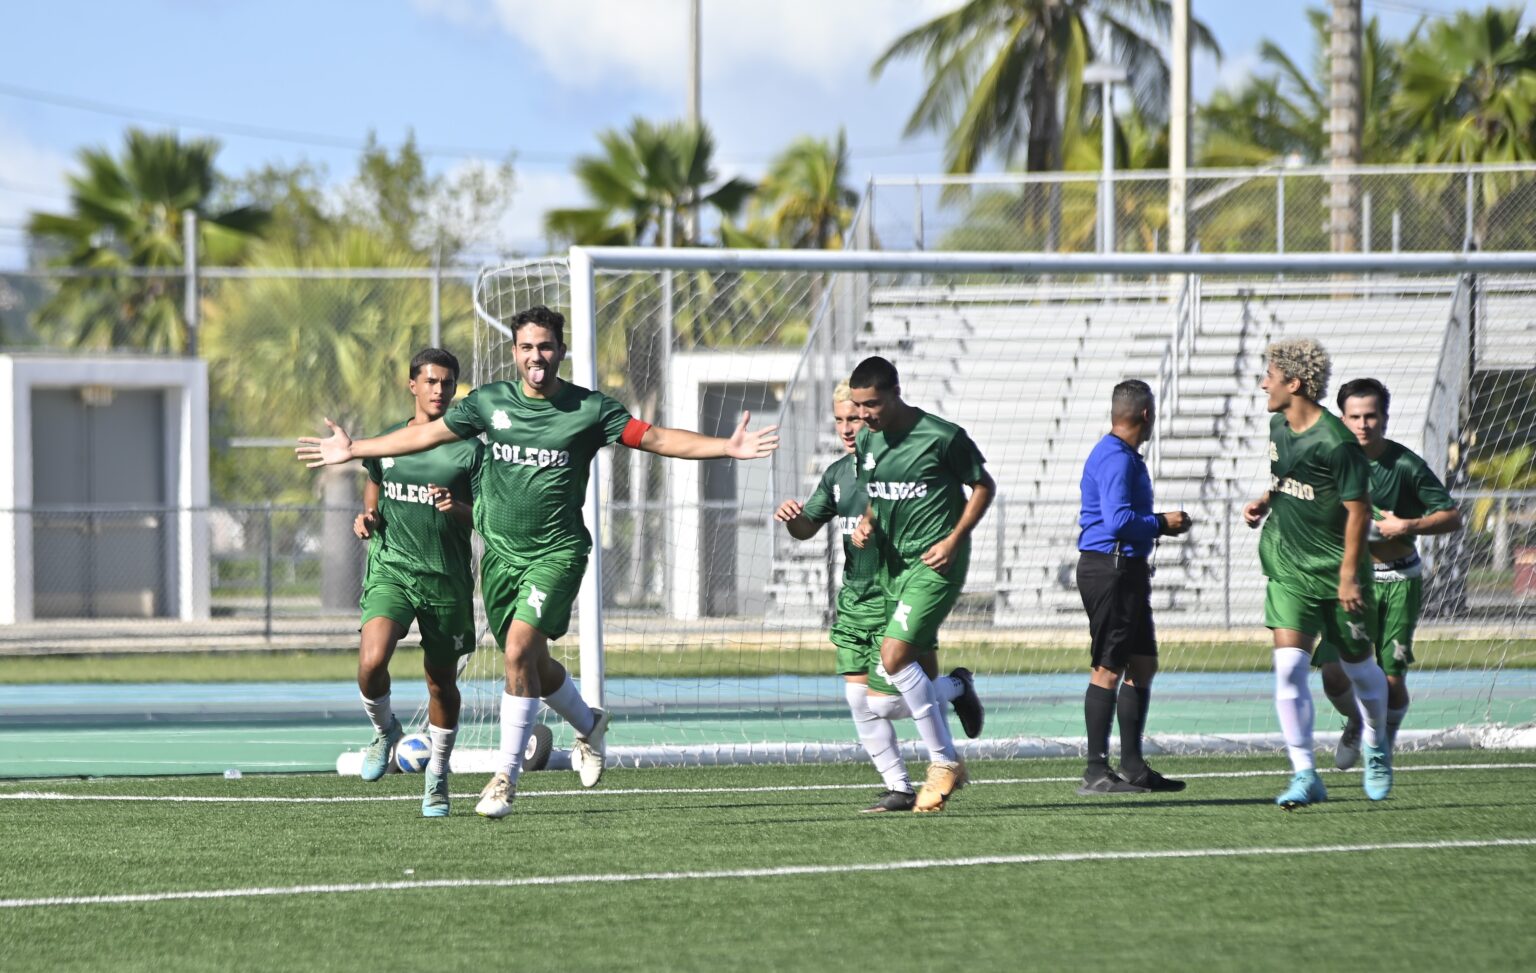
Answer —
1117 515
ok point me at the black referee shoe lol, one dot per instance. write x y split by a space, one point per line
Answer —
1151 780
968 705
892 801
1096 782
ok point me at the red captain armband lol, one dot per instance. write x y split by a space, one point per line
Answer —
634 432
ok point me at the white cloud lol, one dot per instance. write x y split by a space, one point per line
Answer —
591 42
535 192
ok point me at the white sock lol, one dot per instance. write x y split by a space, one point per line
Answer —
1293 704
379 713
878 737
518 714
1371 693
442 746
1394 723
568 703
917 689
949 688
889 707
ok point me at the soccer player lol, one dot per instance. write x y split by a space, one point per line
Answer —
541 434
914 467
1408 501
860 623
1115 581
1314 554
416 519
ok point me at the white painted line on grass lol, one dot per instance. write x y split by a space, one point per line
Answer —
777 872
632 791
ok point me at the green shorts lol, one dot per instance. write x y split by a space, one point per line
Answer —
1322 617
540 594
916 603
1397 615
858 654
447 631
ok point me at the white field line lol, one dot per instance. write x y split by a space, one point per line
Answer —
631 791
777 872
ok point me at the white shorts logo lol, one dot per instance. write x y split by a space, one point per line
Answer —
536 600
1399 651
1356 630
458 643
900 618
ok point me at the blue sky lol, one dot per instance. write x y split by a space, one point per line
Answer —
533 79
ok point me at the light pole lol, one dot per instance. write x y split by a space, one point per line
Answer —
1108 75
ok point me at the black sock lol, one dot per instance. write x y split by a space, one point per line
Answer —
1099 713
1132 712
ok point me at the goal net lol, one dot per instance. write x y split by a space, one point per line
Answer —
710 642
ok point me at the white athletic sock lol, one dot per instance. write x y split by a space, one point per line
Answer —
1293 704
568 703
378 711
949 688
442 746
889 707
1371 693
878 737
1394 723
917 689
518 714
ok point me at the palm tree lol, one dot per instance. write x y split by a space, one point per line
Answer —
806 197
127 215
645 174
1468 94
1006 75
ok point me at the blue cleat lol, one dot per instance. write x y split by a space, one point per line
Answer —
377 755
1306 788
434 801
1378 772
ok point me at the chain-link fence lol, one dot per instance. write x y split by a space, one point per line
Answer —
1264 210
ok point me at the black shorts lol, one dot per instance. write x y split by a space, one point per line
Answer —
1117 594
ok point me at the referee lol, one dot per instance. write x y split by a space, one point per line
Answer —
1118 531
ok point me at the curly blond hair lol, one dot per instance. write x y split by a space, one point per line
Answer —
843 392
1302 359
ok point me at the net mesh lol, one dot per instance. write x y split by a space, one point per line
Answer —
715 620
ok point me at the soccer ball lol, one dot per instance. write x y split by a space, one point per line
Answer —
412 753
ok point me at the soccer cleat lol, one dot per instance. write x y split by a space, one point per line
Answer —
1378 772
968 705
1097 782
892 801
377 756
1347 753
587 752
1306 788
944 778
496 798
1151 780
434 800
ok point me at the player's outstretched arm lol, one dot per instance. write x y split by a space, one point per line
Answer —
791 514
339 448
682 444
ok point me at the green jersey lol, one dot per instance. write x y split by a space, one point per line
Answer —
915 483
1311 474
538 458
1403 483
417 544
839 498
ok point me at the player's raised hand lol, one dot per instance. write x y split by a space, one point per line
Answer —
365 524
753 444
788 510
330 451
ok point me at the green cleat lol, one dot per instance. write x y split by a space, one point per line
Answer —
434 801
380 751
